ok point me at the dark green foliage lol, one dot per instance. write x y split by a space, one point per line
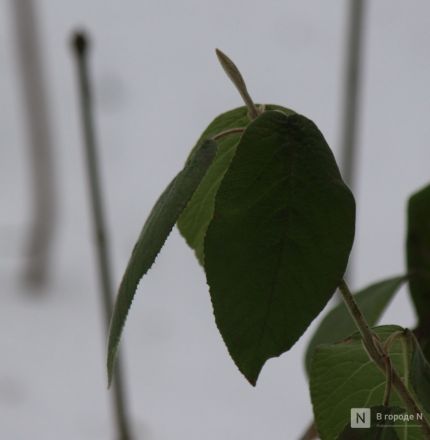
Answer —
378 429
338 324
418 260
342 377
196 217
157 227
279 240
418 251
271 221
420 375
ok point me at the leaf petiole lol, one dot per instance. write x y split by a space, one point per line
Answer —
373 347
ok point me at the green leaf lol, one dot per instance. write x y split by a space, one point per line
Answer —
279 240
418 261
379 429
157 227
342 377
195 219
420 375
338 324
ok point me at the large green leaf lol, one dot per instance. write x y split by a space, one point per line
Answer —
342 377
195 219
420 375
338 324
418 260
279 240
157 227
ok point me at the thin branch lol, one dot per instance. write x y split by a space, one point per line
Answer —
388 381
352 89
351 97
360 321
375 351
80 47
39 137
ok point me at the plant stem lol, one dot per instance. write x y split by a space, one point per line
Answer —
352 90
351 97
39 137
388 382
237 79
360 321
376 353
80 46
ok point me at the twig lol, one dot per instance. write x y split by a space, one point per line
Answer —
360 321
43 182
352 90
80 46
351 97
375 351
388 381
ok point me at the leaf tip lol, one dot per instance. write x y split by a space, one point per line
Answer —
251 373
219 53
231 70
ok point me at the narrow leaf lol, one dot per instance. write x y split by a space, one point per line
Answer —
337 324
231 70
279 240
196 217
236 77
157 227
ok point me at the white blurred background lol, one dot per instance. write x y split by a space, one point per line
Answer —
158 85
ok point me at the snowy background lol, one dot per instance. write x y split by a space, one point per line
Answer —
158 84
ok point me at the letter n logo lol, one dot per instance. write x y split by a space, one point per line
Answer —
360 417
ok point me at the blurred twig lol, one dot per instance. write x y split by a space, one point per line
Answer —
80 46
43 184
351 97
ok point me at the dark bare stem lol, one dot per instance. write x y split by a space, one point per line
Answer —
352 89
80 46
351 96
237 79
39 138
376 353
